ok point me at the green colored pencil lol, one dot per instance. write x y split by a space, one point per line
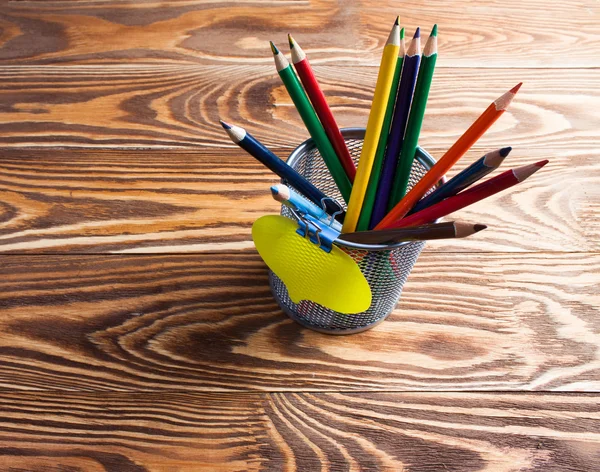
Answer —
367 208
312 123
415 120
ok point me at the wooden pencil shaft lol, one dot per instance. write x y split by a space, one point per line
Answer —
373 130
408 145
260 152
458 149
483 190
316 131
286 195
376 172
418 233
378 163
324 113
458 183
397 132
292 199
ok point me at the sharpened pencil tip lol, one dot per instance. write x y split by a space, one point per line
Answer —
291 41
521 173
478 228
434 30
495 158
225 125
397 20
274 48
402 33
516 88
417 33
274 190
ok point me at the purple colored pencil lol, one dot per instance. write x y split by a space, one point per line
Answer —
406 89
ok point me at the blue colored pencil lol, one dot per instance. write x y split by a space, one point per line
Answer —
406 89
479 169
259 151
287 196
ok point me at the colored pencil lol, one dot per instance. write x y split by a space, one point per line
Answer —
468 197
401 113
365 214
458 149
257 150
312 123
447 230
476 171
415 120
373 131
319 103
288 197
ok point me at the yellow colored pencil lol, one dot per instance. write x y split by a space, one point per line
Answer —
373 131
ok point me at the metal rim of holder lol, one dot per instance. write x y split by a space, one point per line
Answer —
349 133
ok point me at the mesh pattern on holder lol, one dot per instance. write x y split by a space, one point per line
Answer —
385 270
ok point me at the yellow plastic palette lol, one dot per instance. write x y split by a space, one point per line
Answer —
330 279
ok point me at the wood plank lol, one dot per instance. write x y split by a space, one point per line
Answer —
82 201
390 432
209 323
492 33
473 33
179 106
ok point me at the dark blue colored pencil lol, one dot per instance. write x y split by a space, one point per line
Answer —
259 151
480 168
408 79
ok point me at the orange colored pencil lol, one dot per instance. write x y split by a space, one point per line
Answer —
458 149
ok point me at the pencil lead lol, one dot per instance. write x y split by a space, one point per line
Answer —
402 33
274 48
516 88
274 190
434 30
397 20
291 41
417 33
478 228
504 151
541 163
225 125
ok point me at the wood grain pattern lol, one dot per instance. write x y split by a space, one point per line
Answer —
79 201
209 322
513 33
492 34
179 106
109 142
388 432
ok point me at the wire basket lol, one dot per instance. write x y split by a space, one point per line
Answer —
385 267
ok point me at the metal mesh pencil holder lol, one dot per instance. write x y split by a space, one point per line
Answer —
385 267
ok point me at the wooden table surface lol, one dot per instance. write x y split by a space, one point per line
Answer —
137 329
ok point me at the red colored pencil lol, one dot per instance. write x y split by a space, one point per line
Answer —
458 149
317 98
468 197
